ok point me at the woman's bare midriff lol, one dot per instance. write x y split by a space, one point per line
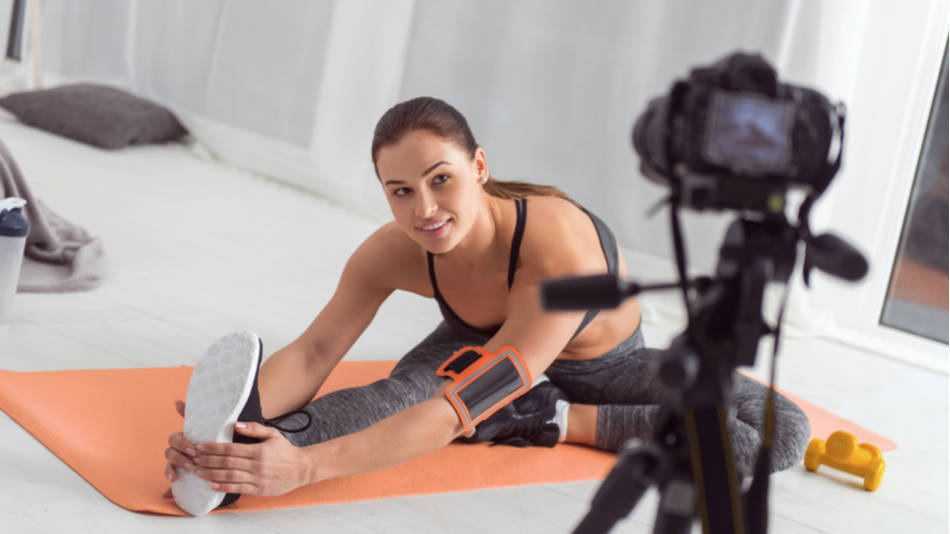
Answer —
608 329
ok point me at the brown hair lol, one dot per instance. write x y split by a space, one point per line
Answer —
443 120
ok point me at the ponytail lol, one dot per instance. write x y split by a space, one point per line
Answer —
518 190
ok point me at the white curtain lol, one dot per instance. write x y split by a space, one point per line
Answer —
551 88
293 89
289 89
251 66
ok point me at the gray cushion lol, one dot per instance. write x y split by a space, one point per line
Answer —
95 114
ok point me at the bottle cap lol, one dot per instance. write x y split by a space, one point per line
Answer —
12 222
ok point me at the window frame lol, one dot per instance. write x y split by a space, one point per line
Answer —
889 89
939 88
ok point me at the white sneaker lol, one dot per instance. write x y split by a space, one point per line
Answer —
218 391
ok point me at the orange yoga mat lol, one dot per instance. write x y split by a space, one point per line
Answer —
111 427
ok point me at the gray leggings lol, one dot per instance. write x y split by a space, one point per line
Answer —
619 382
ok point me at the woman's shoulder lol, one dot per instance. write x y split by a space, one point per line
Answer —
392 257
559 237
564 209
556 218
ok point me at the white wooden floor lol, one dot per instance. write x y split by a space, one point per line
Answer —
198 250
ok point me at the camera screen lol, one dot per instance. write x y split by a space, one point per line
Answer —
748 133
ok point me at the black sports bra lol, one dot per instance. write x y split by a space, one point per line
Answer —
608 244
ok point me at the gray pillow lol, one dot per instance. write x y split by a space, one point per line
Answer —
102 116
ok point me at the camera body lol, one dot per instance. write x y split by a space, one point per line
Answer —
731 136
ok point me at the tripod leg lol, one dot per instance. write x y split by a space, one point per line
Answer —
677 508
621 490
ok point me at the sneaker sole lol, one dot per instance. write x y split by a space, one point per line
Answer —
217 392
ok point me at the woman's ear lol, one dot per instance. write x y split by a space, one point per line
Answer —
480 163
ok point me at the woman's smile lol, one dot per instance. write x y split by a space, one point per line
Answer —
435 228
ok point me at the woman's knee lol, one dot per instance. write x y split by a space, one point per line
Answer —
793 432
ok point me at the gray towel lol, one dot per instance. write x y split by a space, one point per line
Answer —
59 255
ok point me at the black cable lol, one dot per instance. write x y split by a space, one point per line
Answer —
679 249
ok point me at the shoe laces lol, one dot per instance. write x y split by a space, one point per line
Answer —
276 422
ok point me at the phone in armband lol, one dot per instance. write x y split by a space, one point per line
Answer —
483 382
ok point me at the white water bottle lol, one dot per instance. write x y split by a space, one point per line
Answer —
13 231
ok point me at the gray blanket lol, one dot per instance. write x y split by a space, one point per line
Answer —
59 255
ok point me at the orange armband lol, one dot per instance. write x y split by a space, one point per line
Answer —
483 382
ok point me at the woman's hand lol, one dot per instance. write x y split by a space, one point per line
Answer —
180 453
272 467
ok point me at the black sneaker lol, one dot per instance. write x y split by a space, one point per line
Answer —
222 390
527 420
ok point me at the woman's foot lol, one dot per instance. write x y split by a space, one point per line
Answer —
536 418
222 390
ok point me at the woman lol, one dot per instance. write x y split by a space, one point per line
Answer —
470 242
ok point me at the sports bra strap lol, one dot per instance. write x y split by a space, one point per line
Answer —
521 209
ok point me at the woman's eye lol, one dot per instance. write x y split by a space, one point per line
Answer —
401 192
440 178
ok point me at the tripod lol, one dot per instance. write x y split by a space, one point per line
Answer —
688 456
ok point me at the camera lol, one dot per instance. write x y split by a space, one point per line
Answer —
731 136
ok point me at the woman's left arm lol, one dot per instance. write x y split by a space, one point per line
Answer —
537 336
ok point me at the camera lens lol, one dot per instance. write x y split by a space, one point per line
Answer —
649 140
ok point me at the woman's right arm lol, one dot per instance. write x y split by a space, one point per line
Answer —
290 378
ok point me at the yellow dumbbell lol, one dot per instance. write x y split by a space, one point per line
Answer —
843 452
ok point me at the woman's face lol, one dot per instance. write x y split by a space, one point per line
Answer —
432 187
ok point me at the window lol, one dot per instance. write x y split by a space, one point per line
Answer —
918 291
